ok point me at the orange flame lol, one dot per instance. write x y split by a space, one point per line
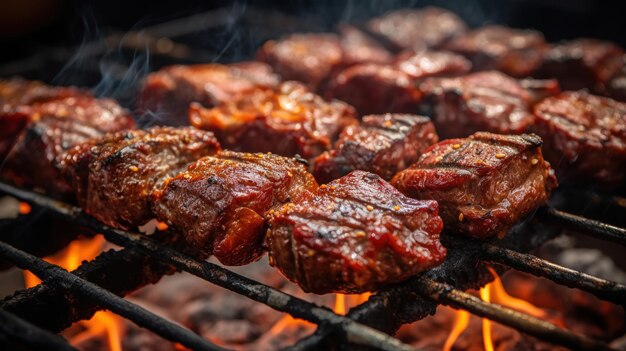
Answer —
103 322
487 342
340 304
460 324
503 298
344 302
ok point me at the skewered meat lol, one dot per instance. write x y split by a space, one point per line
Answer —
114 175
53 127
417 30
288 121
358 47
220 201
382 144
484 184
308 58
585 136
513 51
489 101
353 235
166 94
583 64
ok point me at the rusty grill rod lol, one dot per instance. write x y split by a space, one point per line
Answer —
603 289
447 295
30 335
135 313
355 333
586 226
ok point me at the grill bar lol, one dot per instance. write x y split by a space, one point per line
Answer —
31 335
447 295
604 289
135 313
586 226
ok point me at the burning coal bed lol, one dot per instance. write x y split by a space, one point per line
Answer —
236 322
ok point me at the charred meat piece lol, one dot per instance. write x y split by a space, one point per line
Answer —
288 121
381 144
220 201
513 51
52 128
308 58
166 94
115 175
484 184
489 101
585 136
417 30
583 64
358 47
355 234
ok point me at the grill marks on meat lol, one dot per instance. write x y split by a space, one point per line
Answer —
353 235
381 144
220 201
484 184
115 175
583 64
167 93
288 121
585 136
489 101
417 30
512 51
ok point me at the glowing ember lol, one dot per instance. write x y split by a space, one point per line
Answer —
24 208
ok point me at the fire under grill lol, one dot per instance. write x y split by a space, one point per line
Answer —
31 318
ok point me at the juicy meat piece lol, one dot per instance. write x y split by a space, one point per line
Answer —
484 184
374 89
308 58
381 144
540 89
513 51
583 64
432 64
288 121
358 47
417 30
616 88
220 201
166 94
114 175
585 136
489 101
51 128
354 235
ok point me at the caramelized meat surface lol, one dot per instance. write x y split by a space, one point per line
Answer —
115 175
585 136
583 64
353 235
381 144
358 47
49 129
220 201
489 101
515 52
288 121
432 64
417 30
166 94
617 85
484 184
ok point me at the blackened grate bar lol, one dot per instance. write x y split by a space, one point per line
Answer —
586 226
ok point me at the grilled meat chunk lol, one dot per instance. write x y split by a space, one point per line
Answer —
220 201
115 175
353 235
381 144
288 121
583 64
167 93
417 30
489 101
585 136
484 184
515 52
432 64
540 89
49 129
358 47
308 58
616 88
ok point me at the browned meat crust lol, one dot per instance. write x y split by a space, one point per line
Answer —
358 47
353 235
220 201
484 184
381 144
